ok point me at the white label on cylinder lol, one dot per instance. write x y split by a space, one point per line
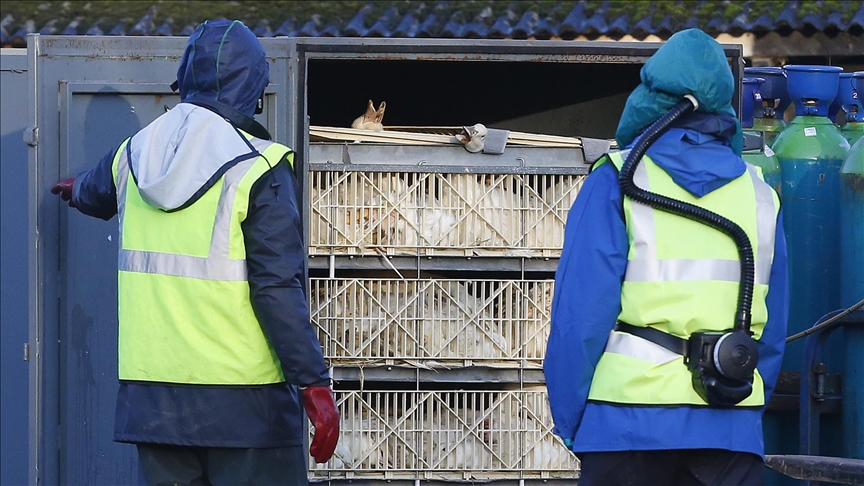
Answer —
810 132
768 151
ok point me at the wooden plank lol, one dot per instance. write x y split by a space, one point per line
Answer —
351 134
519 138
432 136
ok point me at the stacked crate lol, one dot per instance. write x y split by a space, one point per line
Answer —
413 211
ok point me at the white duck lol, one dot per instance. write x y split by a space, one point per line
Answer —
371 120
473 137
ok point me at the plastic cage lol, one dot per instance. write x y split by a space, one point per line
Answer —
433 321
425 213
446 435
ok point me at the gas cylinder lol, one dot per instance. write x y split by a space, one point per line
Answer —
768 115
853 107
763 157
810 151
852 291
834 112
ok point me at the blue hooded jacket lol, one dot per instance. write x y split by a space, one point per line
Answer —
698 154
224 71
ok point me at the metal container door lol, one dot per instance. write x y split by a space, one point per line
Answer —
14 261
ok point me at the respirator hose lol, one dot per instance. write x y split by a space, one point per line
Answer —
689 211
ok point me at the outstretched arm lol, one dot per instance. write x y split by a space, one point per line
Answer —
92 192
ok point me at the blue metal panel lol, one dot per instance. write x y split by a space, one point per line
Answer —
13 260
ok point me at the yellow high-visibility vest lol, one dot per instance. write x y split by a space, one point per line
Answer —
682 277
184 308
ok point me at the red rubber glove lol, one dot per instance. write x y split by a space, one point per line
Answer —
64 188
321 408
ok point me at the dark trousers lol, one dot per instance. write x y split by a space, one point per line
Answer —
164 465
696 467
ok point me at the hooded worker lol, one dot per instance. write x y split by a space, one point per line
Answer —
216 350
635 283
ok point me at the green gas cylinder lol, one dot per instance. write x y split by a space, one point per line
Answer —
768 112
810 152
772 127
852 131
762 157
852 291
766 160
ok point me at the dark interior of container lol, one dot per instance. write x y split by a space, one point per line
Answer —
539 97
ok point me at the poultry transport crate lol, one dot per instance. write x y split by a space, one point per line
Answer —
446 435
444 322
374 199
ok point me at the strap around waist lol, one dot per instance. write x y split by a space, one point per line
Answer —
672 343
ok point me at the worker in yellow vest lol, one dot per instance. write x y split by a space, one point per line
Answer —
637 286
217 354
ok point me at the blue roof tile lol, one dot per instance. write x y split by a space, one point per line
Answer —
665 28
740 23
762 25
788 19
429 27
408 27
526 25
381 27
834 22
49 28
502 27
478 28
596 25
357 26
72 28
642 29
145 25
330 31
546 28
856 26
620 26
263 29
21 34
286 29
715 26
166 29
573 23
452 29
119 29
4 34
496 20
692 21
475 30
310 28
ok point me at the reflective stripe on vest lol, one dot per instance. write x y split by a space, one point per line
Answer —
627 344
682 295
647 268
218 266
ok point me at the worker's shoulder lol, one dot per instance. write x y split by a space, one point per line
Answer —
616 157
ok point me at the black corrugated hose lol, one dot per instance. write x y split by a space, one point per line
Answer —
689 211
